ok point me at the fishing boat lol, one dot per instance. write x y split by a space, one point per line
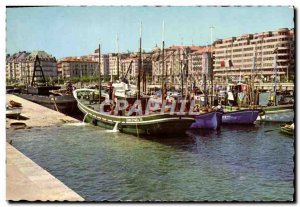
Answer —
50 96
244 116
284 113
277 113
208 120
152 124
105 115
64 104
287 129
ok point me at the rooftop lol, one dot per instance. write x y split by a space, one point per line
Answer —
42 56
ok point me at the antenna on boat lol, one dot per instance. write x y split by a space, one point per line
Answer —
139 64
99 52
163 63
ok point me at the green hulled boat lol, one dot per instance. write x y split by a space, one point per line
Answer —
287 129
152 124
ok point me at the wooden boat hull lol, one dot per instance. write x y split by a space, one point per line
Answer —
287 131
13 113
246 116
65 104
158 127
210 120
155 124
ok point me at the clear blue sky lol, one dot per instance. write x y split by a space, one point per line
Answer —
71 31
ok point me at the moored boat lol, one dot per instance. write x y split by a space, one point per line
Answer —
13 113
245 116
50 96
287 129
152 124
208 120
13 103
284 113
64 104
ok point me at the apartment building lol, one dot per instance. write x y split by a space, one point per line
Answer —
70 67
114 64
130 65
200 64
104 64
255 55
177 61
15 66
20 66
47 62
104 61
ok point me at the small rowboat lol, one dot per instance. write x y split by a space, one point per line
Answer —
14 104
287 129
13 113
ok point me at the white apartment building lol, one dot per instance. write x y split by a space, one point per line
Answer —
20 66
253 55
77 67
15 66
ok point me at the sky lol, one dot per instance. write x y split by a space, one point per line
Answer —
73 31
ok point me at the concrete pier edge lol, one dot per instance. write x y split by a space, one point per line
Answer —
26 180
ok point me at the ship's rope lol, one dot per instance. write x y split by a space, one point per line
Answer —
54 102
137 131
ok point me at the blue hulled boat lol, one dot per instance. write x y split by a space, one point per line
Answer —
209 120
245 116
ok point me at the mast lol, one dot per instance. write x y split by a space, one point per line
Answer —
139 65
252 79
99 52
163 64
144 75
205 74
181 71
205 93
118 68
184 57
275 75
212 74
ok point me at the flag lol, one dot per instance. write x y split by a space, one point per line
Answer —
228 64
222 63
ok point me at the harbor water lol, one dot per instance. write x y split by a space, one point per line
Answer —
242 163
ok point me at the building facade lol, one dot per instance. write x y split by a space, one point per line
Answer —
15 66
104 61
200 64
130 65
179 61
253 56
71 67
20 66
